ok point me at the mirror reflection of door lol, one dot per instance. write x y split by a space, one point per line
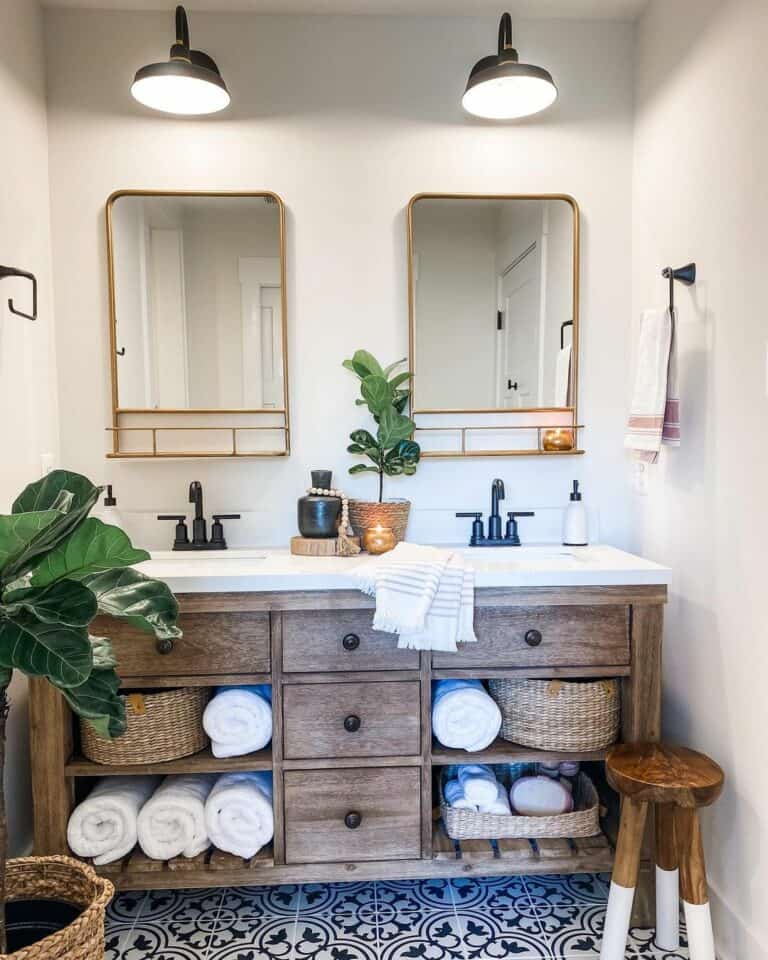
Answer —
492 282
198 302
518 345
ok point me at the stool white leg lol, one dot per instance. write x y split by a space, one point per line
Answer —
667 909
693 885
667 880
633 814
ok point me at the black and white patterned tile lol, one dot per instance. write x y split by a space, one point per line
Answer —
466 918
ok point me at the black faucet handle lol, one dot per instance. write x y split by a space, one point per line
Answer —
217 541
181 534
478 532
512 535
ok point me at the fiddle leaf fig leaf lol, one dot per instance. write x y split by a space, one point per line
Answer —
60 653
93 547
97 701
363 438
400 378
377 394
362 468
128 595
70 495
103 654
367 360
21 534
394 366
393 427
66 602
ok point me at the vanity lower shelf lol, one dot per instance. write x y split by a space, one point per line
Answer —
202 762
449 858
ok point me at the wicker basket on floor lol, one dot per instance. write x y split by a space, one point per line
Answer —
163 725
559 714
68 880
584 821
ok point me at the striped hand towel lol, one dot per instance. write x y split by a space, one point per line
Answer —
655 411
424 595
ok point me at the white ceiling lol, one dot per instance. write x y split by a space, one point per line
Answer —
528 9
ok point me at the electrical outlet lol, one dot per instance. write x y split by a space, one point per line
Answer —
641 478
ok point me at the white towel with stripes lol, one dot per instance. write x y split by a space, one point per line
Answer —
424 595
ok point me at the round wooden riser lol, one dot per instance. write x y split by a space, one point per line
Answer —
316 547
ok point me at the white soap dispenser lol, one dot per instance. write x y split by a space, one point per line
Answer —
575 520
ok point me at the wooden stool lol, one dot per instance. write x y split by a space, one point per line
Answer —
677 781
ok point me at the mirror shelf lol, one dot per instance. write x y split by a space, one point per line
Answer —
198 324
493 297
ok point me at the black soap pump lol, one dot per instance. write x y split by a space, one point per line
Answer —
575 520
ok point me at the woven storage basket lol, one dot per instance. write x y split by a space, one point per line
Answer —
584 821
161 726
558 714
364 514
62 878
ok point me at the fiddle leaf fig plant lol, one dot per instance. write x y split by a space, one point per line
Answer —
59 568
391 451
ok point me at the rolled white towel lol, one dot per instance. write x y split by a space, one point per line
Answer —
479 783
464 716
103 826
540 797
239 720
501 804
454 796
238 813
172 821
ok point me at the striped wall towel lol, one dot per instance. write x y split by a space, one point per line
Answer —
654 415
425 595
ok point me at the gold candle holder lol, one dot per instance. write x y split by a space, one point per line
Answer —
378 539
557 438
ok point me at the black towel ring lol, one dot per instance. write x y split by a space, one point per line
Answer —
686 275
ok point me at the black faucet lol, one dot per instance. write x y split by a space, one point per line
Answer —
511 537
200 539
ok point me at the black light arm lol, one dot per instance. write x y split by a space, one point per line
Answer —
505 34
180 49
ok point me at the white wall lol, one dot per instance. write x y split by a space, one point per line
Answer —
27 378
347 132
701 193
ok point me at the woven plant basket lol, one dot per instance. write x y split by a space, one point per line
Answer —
69 880
161 726
365 513
584 821
559 714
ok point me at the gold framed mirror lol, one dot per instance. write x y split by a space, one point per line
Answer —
493 307
198 324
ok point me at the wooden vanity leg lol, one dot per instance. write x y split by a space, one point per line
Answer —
50 747
426 753
278 843
641 721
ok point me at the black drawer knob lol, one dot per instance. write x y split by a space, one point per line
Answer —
353 820
351 642
164 645
352 723
533 638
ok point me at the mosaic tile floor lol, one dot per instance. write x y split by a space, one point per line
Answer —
461 919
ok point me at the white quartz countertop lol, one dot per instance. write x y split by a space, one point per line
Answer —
547 565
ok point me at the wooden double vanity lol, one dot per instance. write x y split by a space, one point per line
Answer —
355 800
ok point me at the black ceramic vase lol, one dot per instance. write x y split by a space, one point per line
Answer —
318 514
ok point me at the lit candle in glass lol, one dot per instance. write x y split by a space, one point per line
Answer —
556 439
378 539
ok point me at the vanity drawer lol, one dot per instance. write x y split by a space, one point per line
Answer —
358 814
370 719
568 636
213 643
336 640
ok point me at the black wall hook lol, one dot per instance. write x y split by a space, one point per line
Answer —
15 272
686 275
